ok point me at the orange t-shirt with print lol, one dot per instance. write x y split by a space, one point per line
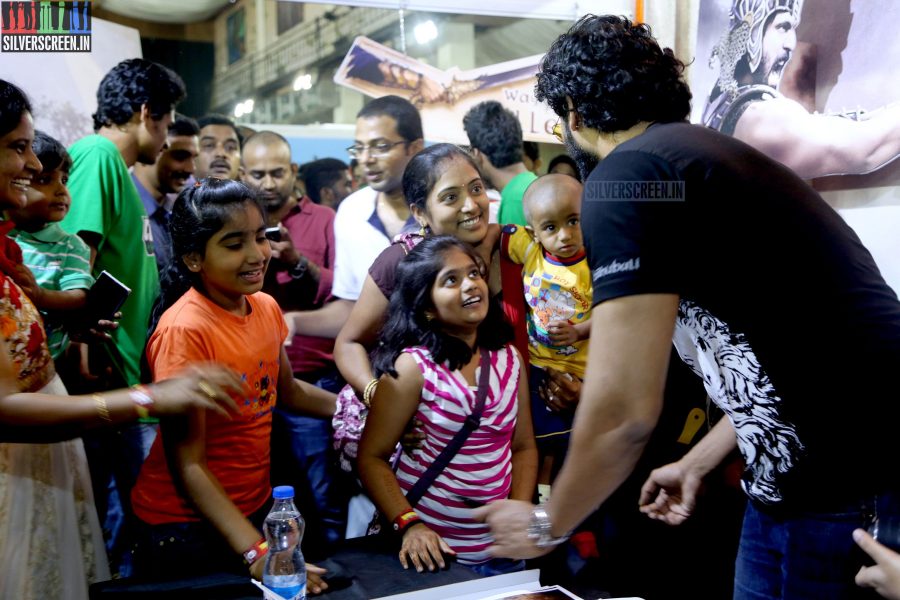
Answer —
196 330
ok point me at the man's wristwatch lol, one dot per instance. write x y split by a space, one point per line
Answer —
300 270
539 529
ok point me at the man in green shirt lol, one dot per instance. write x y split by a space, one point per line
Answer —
495 136
135 105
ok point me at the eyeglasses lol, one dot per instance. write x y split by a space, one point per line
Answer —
379 149
557 131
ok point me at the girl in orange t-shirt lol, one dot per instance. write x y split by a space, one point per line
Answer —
203 492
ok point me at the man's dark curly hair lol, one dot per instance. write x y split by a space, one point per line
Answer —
132 83
615 73
496 132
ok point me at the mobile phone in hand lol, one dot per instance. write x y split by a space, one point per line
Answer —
273 234
104 299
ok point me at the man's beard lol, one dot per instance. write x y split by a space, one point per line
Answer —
586 161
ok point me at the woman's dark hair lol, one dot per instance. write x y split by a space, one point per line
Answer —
51 153
407 324
133 83
199 212
13 104
564 159
424 170
615 73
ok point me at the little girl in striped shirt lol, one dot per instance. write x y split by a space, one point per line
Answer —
440 321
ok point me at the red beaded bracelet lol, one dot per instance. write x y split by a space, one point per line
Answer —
405 521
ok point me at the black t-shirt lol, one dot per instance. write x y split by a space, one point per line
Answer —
782 312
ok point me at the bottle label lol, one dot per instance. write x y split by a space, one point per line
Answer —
290 592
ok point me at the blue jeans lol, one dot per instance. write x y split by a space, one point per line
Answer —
302 456
498 566
115 459
805 555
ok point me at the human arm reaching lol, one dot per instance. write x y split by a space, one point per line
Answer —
670 492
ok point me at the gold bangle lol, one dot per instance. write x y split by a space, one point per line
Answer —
102 408
368 392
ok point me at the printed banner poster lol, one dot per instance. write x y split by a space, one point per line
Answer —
443 97
809 83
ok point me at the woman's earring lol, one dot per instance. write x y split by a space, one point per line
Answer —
429 317
423 229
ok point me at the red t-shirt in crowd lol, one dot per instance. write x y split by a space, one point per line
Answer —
311 227
196 330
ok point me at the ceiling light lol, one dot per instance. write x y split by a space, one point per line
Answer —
303 82
243 108
425 32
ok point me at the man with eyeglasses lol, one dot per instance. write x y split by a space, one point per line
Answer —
388 135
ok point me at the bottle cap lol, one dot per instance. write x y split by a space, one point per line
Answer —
283 492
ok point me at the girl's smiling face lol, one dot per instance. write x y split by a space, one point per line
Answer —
234 263
18 164
460 294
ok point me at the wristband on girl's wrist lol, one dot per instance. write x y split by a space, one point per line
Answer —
143 401
405 521
256 552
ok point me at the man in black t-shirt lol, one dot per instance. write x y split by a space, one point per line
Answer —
697 239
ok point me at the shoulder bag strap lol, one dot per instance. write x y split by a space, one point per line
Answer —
469 425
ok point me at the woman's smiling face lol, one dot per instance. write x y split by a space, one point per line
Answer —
457 204
18 164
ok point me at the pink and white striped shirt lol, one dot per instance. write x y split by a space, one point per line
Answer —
481 471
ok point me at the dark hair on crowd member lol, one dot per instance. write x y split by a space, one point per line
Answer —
322 173
531 150
408 323
13 104
426 167
616 75
51 153
496 132
198 213
564 159
217 119
404 114
183 126
133 83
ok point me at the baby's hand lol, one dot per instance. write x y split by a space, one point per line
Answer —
562 333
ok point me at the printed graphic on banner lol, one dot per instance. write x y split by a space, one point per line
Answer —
63 26
443 97
810 83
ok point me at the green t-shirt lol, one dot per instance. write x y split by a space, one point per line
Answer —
511 211
59 261
105 202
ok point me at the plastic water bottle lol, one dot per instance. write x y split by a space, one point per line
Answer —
285 569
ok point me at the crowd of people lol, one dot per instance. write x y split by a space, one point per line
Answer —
428 353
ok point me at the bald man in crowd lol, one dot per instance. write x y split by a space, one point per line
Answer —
299 278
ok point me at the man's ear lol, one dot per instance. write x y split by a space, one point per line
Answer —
416 146
192 262
326 196
146 117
